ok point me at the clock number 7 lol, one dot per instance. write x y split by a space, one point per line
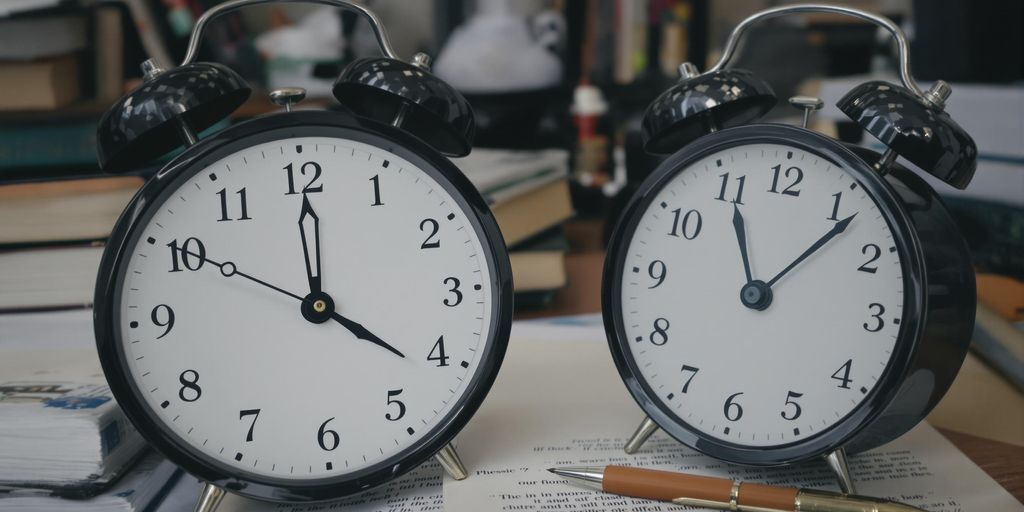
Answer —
687 368
255 413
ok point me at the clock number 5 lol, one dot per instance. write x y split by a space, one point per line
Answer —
401 407
255 413
328 434
877 316
791 400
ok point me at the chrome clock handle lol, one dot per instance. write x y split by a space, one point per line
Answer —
935 96
234 5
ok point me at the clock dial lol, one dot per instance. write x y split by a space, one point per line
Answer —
305 308
761 294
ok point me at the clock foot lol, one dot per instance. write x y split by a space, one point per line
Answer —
451 462
643 432
209 499
837 462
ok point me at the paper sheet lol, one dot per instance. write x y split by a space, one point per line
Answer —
559 401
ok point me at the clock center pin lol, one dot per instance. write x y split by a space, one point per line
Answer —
756 295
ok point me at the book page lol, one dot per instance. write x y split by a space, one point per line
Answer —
559 401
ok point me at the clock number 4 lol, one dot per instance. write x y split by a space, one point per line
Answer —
190 390
392 400
844 379
690 225
788 191
191 248
738 198
255 413
437 353
312 186
224 205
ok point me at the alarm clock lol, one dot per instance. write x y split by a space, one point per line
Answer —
310 303
772 295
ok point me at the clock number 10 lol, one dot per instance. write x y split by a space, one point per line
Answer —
690 225
191 248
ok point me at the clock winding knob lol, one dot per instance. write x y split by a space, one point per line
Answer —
287 96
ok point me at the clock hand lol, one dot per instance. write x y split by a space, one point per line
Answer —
309 229
362 333
838 228
741 238
228 269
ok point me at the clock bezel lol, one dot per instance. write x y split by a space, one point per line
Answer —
914 304
126 235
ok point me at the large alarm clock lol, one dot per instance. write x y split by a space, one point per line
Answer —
772 295
307 304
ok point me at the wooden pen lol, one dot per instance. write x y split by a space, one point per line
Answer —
720 493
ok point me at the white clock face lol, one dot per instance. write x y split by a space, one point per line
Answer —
781 353
227 322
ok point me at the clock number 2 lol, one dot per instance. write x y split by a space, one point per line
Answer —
392 400
312 186
877 251
430 242
190 390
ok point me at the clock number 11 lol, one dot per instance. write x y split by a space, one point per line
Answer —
738 198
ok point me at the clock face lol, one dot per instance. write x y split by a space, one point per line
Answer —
761 294
306 308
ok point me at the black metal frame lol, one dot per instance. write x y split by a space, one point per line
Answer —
126 235
933 336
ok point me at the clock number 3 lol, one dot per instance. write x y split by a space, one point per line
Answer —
454 282
877 316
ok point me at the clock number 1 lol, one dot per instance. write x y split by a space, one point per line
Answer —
835 206
376 190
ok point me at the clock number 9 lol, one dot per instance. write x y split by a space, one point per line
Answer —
454 289
401 406
168 324
324 432
661 271
688 233
190 390
659 336
187 253
733 411
309 188
877 316
791 400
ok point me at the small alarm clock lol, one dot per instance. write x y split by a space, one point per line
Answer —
772 295
310 303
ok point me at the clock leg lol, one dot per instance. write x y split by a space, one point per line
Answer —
644 431
451 462
209 499
837 462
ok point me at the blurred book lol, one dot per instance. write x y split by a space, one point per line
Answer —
141 489
48 277
539 264
60 428
40 37
528 191
44 84
29 143
63 210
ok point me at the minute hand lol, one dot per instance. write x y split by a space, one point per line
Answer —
835 231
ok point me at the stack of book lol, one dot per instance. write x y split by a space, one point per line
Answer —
528 192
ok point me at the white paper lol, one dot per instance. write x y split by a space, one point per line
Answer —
559 401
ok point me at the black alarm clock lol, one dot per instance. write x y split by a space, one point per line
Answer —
772 295
310 303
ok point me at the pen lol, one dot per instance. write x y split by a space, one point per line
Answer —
720 493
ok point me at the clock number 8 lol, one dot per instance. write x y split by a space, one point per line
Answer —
659 336
190 390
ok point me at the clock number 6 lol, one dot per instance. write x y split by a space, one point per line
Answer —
733 411
255 413
401 407
791 400
190 390
324 432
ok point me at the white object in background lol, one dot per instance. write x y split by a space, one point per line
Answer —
497 51
293 52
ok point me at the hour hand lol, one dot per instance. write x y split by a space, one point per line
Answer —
309 228
362 333
741 238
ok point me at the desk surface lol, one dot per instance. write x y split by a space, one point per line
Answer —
1004 462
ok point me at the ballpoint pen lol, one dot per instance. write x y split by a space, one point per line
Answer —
720 493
